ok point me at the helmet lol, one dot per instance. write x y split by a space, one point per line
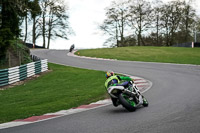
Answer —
109 73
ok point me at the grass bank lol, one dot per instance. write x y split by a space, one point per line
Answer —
63 88
147 54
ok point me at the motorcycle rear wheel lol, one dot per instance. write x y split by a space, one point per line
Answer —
126 103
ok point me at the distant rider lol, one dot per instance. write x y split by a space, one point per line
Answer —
72 48
116 80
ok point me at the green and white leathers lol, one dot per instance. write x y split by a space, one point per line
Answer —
114 80
123 91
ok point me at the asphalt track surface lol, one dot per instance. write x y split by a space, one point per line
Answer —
174 101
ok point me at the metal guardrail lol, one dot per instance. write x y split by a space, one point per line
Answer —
18 73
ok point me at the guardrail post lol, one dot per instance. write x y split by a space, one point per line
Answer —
3 77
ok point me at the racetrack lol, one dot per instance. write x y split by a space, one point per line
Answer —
174 100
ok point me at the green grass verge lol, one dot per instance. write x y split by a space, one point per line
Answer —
63 88
178 55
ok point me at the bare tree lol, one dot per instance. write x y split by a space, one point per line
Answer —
156 21
171 18
115 23
26 9
35 12
44 5
54 21
188 20
139 17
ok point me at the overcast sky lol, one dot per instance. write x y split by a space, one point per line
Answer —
85 16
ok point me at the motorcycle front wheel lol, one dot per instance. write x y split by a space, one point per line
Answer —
126 102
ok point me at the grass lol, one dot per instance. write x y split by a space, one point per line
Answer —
178 55
63 88
67 87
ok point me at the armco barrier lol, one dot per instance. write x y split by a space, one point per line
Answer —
18 73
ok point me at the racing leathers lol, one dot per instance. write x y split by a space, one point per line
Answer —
116 80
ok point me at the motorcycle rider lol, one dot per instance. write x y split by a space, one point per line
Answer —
72 48
116 80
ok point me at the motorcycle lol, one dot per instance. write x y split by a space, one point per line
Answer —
71 48
127 95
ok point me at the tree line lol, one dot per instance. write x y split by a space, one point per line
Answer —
48 19
140 22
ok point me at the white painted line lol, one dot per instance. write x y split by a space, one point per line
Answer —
12 124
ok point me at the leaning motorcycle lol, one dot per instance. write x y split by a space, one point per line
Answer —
71 48
127 95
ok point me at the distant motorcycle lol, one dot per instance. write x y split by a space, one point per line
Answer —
71 48
128 96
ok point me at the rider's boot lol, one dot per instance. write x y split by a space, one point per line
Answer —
115 101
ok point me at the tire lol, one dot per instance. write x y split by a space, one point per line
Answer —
126 103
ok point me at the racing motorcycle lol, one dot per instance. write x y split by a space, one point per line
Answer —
71 48
127 95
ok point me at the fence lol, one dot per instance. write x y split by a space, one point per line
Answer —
188 44
18 73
